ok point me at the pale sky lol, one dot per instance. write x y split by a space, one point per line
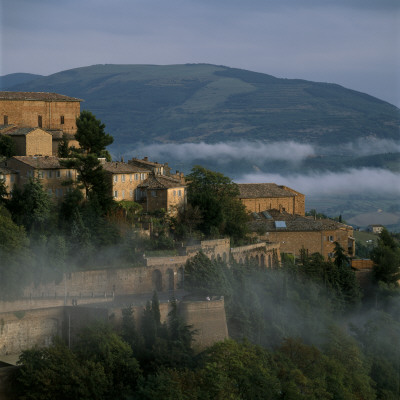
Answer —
354 43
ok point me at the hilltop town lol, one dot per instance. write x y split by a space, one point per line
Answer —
158 233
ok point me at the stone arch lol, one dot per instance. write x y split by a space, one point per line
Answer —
156 279
212 257
224 257
241 261
262 260
219 259
269 261
181 277
257 260
170 279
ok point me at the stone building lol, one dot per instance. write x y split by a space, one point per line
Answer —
295 232
48 169
9 177
50 111
37 121
258 197
155 167
162 192
125 179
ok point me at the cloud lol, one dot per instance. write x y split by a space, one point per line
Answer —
351 182
227 152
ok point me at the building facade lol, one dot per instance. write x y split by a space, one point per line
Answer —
259 197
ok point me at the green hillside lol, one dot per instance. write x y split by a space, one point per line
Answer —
201 102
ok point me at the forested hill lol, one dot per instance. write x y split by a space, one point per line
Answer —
203 102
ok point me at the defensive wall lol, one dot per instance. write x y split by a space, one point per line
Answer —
63 308
263 254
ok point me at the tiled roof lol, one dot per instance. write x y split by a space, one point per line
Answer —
261 190
41 96
121 168
145 162
20 131
293 222
42 162
58 135
161 182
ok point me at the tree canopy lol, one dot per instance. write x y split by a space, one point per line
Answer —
215 195
91 135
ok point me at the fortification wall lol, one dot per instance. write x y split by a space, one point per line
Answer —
208 319
21 330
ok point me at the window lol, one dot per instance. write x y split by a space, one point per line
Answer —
142 177
123 194
62 120
40 174
68 174
29 173
136 177
39 121
49 174
115 178
179 193
131 193
115 194
6 120
122 178
11 178
331 255
58 174
130 178
50 192
174 192
59 192
153 193
330 238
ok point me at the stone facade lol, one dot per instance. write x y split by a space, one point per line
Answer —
259 197
32 141
163 192
47 169
39 110
9 177
125 179
295 232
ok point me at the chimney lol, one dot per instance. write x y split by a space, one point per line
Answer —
145 158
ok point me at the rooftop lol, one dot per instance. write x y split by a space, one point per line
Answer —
42 162
38 96
274 220
161 182
146 162
259 190
121 168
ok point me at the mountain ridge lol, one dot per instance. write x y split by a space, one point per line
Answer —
209 103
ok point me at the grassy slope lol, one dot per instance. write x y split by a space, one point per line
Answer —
197 102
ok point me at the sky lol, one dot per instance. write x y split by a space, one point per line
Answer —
354 43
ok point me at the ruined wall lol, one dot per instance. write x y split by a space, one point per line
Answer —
263 254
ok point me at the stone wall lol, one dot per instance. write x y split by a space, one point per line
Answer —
38 142
25 113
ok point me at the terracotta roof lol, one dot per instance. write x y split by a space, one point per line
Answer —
260 190
41 96
161 182
293 222
121 168
42 162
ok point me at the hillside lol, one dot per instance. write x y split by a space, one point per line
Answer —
16 79
202 102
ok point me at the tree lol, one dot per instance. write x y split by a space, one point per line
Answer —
31 206
7 146
63 148
386 257
93 179
91 135
217 198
